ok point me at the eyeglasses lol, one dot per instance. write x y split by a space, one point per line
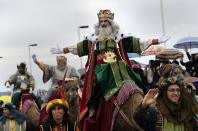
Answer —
174 90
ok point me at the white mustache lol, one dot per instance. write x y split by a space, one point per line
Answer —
105 30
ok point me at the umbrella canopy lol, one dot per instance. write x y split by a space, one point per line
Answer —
133 55
152 50
188 42
169 54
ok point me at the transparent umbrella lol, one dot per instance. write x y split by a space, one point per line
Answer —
187 42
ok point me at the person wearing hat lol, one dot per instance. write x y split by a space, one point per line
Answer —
23 83
173 109
191 89
21 76
55 73
58 117
12 119
107 67
189 65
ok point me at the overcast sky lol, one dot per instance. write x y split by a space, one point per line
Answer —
51 22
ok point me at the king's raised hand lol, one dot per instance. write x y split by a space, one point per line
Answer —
163 39
56 50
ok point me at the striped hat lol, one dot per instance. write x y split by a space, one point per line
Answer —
54 102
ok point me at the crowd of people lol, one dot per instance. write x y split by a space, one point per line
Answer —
156 68
91 102
25 110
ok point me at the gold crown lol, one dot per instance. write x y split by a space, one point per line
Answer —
105 14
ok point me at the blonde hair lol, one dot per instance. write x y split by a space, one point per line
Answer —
61 58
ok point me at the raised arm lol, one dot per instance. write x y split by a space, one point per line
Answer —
11 80
58 50
144 115
187 53
48 70
150 97
144 44
40 64
137 45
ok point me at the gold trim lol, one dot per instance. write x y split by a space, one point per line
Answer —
118 72
109 57
25 124
105 37
101 45
123 70
80 48
106 44
105 14
136 45
12 125
115 71
111 93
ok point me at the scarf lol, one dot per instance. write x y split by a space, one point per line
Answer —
15 114
182 112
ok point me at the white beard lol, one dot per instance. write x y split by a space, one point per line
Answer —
105 30
113 29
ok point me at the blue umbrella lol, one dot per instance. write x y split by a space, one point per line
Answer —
188 42
133 55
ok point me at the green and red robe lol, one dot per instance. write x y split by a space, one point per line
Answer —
110 75
113 75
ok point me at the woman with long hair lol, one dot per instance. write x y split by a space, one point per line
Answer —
172 110
58 119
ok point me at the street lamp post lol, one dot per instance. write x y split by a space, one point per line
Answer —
30 56
162 18
81 27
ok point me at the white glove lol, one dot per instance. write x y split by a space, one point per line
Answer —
34 58
7 84
163 39
67 79
57 50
